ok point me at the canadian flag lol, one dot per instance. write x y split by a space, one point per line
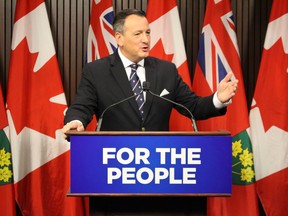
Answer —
167 43
35 110
269 115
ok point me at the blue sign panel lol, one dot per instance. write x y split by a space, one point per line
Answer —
151 164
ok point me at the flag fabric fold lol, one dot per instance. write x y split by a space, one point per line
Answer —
35 111
7 198
101 41
218 55
269 115
167 43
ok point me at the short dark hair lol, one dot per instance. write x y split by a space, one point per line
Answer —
119 19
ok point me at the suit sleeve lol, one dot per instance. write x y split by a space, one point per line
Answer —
201 107
85 102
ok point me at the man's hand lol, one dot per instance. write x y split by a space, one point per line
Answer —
73 125
227 88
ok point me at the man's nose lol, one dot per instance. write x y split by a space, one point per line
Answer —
145 38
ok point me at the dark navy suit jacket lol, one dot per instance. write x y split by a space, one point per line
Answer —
105 82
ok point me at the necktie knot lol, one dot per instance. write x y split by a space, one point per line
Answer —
133 69
134 66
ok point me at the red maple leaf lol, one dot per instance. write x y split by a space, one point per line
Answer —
159 52
271 89
29 92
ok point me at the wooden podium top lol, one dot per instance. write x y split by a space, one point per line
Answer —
149 133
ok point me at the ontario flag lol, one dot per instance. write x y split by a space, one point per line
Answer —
101 41
7 198
269 115
218 55
167 43
35 111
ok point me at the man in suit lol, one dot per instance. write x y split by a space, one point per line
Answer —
106 81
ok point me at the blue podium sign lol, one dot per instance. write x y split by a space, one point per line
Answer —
151 163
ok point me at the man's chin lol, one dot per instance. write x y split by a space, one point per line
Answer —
146 54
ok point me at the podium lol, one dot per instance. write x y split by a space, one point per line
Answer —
151 167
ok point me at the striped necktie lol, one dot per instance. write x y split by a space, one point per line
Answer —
137 87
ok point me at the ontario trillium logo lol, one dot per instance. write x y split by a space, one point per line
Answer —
242 160
5 167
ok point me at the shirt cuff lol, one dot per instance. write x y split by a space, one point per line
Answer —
77 121
218 104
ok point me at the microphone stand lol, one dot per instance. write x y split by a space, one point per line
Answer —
112 105
146 87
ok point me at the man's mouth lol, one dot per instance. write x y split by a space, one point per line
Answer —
145 49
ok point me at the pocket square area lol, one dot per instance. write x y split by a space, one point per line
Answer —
164 92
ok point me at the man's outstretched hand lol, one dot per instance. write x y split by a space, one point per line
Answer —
227 88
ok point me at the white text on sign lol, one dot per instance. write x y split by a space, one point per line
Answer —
145 175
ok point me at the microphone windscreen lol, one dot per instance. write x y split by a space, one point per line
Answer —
146 86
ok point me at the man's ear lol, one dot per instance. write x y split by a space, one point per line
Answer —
118 37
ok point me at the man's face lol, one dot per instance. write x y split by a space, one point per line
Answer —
135 40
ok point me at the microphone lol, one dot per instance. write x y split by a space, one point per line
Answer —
112 105
146 87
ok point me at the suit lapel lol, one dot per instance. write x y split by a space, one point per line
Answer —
120 76
151 78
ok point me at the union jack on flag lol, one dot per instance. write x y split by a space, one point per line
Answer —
211 58
101 41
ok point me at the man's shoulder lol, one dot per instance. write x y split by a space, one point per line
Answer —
156 60
107 60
